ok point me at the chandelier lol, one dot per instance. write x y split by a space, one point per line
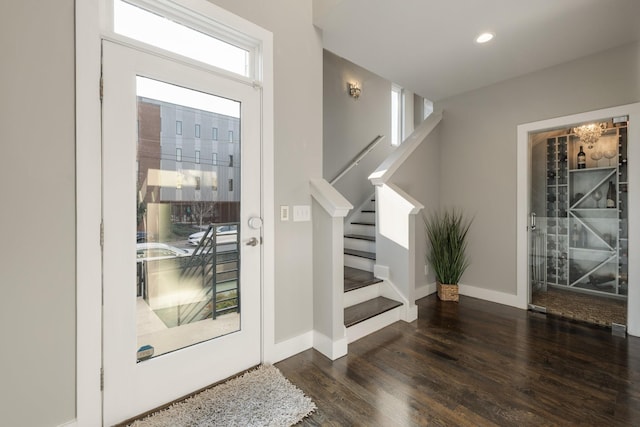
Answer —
590 134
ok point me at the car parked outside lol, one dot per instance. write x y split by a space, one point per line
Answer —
225 233
158 251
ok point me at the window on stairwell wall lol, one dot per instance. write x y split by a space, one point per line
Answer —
397 114
427 108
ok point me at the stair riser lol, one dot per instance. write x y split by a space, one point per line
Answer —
365 230
372 325
360 245
365 216
361 295
358 262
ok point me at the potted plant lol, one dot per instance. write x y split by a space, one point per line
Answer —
446 234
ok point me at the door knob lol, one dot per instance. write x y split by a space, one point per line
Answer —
252 242
255 222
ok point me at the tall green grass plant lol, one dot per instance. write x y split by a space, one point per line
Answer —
446 233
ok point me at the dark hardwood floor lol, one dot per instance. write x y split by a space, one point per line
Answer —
475 363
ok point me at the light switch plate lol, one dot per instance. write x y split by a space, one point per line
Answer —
284 213
302 213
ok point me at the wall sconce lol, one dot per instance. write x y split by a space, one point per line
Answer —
354 90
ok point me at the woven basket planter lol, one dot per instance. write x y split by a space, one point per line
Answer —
448 292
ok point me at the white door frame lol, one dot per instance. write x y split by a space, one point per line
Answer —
89 32
522 202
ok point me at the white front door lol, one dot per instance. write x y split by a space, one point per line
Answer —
181 160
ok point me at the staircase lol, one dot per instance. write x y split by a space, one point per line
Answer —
366 308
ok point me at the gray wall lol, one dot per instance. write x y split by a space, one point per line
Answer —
478 147
350 125
298 148
37 319
419 177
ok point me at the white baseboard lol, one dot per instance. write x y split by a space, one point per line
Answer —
72 423
332 349
490 295
409 313
291 347
475 292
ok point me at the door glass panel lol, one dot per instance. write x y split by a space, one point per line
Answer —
578 245
187 216
156 30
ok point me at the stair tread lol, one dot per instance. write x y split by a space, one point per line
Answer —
360 237
363 223
368 309
354 278
361 254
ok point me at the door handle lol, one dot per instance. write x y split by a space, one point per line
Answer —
255 222
252 242
533 221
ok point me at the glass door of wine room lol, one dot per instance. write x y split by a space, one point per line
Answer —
578 223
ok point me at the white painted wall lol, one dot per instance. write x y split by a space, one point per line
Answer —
350 125
37 268
419 177
478 147
297 151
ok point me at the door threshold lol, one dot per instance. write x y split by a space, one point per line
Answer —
538 308
618 330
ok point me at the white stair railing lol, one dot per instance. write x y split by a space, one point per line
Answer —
356 160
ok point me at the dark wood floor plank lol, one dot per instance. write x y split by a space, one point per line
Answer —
355 278
475 363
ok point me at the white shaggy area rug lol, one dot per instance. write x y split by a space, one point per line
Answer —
260 397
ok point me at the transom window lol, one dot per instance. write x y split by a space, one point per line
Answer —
155 29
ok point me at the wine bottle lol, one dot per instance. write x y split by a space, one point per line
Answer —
582 159
611 195
583 237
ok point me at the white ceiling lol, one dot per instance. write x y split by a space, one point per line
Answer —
428 47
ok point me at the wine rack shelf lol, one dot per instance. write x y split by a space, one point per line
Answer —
586 240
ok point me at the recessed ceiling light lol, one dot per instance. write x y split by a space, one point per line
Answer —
484 38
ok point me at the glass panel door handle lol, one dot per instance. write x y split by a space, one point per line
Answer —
532 222
252 242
